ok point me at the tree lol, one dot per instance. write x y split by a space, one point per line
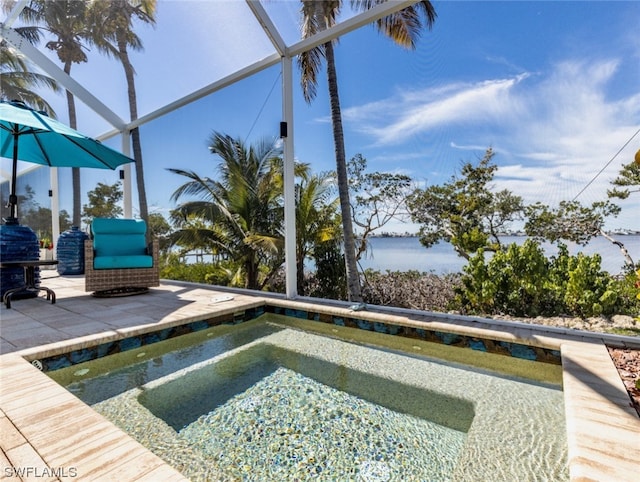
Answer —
403 27
573 222
114 36
377 198
160 228
465 212
316 220
103 202
38 218
628 179
17 82
66 21
240 215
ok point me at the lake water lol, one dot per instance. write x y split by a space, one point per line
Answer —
406 253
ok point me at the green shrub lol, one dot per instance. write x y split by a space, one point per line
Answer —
514 282
522 281
627 291
587 292
172 267
330 280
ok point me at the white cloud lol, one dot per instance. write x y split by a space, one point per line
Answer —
552 133
573 131
394 120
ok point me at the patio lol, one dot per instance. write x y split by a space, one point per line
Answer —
49 434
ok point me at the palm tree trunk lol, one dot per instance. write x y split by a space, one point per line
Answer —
75 171
353 279
135 133
300 275
252 273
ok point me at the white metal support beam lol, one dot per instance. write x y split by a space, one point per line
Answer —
199 94
55 72
127 192
289 181
364 18
15 12
268 26
31 167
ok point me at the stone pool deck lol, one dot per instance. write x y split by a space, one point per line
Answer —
46 433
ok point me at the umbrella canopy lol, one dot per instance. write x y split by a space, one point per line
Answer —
31 136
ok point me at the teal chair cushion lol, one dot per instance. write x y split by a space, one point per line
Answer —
117 262
118 226
120 243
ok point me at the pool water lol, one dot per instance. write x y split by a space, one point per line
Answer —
292 426
268 401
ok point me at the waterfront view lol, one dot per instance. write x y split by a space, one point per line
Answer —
199 280
406 253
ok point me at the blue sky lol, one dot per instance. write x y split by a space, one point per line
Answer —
552 87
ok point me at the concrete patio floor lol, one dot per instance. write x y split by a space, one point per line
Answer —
49 434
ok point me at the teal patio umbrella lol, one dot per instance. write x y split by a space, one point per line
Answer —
31 136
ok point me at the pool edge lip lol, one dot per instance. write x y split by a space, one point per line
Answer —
552 337
558 334
598 407
521 344
531 334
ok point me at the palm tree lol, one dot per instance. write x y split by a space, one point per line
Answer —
316 220
404 28
114 36
17 82
239 216
66 21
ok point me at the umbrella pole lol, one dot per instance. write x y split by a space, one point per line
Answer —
13 198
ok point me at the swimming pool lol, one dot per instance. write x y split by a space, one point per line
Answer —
278 398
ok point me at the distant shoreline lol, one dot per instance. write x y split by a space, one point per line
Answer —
628 232
406 253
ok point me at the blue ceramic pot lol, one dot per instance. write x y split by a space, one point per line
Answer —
17 243
70 251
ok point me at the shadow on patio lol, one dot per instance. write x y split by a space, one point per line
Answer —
76 314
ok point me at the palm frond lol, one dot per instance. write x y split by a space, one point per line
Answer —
266 243
214 239
316 16
31 33
405 26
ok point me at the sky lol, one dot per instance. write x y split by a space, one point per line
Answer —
552 87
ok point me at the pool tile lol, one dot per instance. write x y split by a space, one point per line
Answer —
10 437
54 419
25 457
5 464
603 431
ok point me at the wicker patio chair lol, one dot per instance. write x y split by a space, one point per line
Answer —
117 260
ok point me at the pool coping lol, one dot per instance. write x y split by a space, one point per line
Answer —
603 430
